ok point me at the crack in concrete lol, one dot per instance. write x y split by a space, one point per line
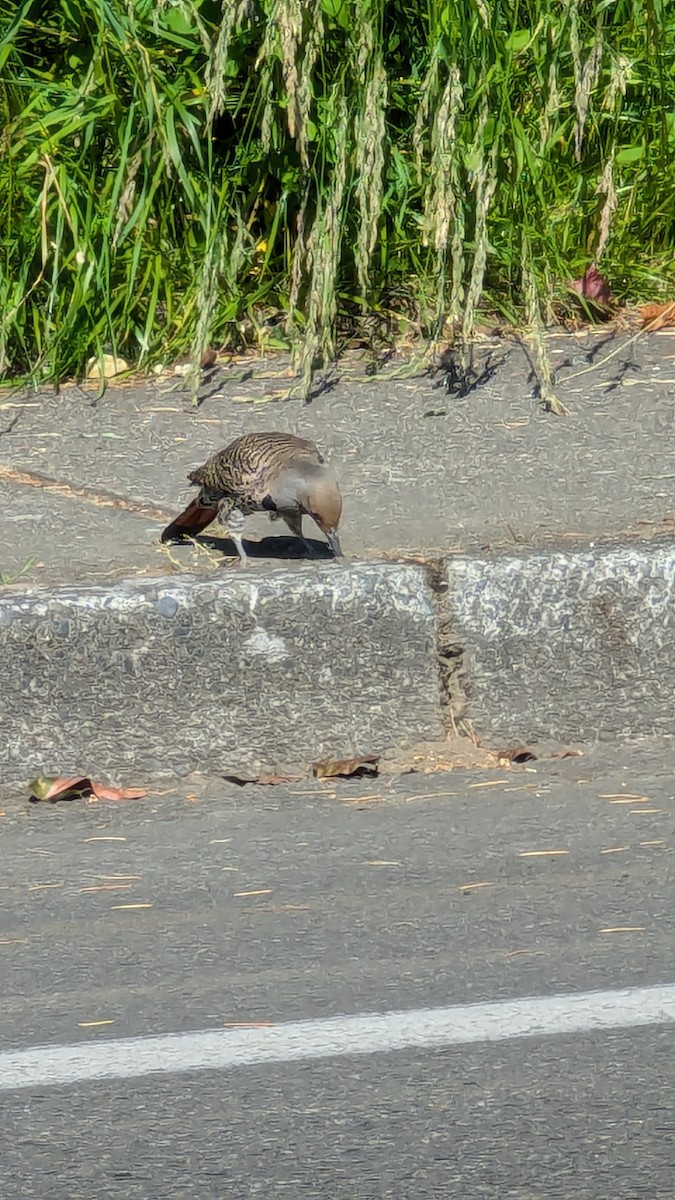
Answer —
450 653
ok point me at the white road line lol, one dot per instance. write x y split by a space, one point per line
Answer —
374 1033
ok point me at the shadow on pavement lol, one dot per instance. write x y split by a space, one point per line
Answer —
285 548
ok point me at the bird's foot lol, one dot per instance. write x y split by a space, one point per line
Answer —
236 522
243 556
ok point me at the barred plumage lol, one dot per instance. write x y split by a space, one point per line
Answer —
277 473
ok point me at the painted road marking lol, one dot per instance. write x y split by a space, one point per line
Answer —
373 1033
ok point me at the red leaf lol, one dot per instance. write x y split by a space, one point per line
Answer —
102 792
76 787
658 316
593 286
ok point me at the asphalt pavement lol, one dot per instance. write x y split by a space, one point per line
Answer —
213 907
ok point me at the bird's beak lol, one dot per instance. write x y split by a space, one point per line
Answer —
334 543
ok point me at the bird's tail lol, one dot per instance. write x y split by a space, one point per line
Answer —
191 522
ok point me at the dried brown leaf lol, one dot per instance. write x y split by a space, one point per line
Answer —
364 764
52 788
103 792
519 754
658 316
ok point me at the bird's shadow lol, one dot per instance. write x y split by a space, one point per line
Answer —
280 548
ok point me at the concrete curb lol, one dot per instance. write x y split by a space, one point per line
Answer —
242 670
574 645
249 670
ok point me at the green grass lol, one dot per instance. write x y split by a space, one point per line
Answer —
9 577
287 172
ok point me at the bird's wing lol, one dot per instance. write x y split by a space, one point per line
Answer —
286 464
250 465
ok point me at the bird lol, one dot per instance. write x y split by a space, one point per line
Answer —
277 473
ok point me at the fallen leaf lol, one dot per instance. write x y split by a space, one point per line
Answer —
593 287
269 779
568 754
365 764
519 754
66 787
658 316
75 787
101 792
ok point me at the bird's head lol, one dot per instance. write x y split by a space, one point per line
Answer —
319 497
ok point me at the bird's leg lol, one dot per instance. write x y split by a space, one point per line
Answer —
294 523
235 521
